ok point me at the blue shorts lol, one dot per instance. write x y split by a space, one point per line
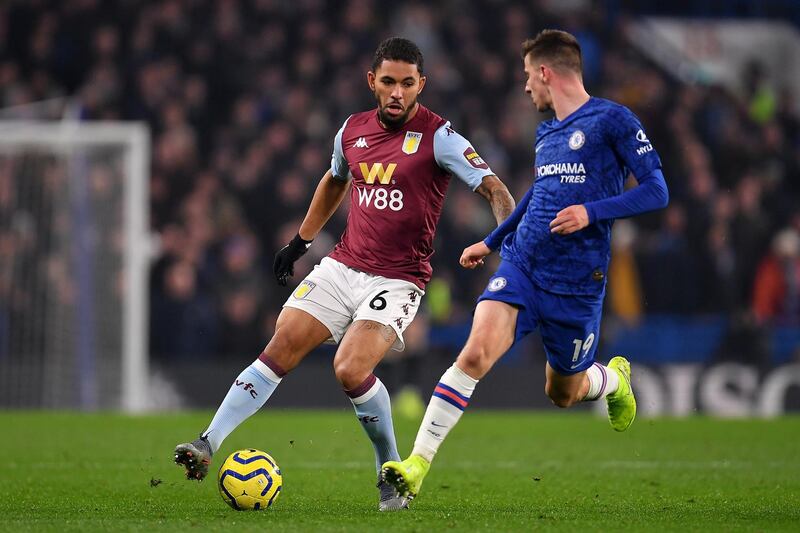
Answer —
569 324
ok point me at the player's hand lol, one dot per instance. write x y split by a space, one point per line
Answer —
473 255
283 266
569 220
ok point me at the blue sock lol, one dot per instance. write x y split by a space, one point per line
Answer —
249 392
374 411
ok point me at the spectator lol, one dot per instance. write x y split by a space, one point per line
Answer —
776 293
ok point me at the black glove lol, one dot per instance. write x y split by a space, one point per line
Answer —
283 266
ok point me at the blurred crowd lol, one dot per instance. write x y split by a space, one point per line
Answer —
243 99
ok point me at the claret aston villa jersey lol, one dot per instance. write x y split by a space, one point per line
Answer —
399 179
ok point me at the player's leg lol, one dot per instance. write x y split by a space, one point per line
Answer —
565 390
492 334
362 348
612 382
296 334
570 327
385 310
313 313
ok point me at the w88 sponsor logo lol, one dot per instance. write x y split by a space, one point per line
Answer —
381 198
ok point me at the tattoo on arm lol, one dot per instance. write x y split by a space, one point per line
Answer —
498 197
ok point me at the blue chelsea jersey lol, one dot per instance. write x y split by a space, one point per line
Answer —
583 158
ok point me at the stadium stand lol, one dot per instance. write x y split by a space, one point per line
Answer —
244 98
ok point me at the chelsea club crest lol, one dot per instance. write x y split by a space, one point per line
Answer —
577 139
496 284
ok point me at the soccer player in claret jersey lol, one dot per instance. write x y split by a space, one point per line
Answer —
396 161
555 249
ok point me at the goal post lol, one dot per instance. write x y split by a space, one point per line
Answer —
74 276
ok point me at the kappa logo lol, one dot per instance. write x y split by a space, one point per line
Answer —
411 142
303 289
361 143
497 283
577 139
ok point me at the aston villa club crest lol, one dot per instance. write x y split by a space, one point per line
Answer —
303 289
411 142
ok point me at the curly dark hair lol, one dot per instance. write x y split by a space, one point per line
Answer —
398 49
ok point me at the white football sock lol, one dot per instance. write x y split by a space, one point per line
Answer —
450 397
602 382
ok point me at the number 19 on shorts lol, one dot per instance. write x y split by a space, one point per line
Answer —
582 346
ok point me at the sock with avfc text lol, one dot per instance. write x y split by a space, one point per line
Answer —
374 411
249 392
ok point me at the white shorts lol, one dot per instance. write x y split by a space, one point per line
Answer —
338 295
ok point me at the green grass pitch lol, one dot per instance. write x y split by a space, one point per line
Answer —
498 471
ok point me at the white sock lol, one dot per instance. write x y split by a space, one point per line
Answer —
450 397
602 382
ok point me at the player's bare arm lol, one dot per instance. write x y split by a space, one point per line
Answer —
502 203
569 220
496 193
327 198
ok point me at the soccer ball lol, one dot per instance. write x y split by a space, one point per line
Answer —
249 480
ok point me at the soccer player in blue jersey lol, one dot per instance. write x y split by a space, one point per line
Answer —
555 249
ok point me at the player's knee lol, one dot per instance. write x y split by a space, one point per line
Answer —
350 375
283 350
475 361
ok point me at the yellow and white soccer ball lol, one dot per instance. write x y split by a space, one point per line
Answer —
249 480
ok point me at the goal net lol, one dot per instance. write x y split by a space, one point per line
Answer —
73 265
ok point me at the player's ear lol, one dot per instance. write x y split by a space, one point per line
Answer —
421 83
371 80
